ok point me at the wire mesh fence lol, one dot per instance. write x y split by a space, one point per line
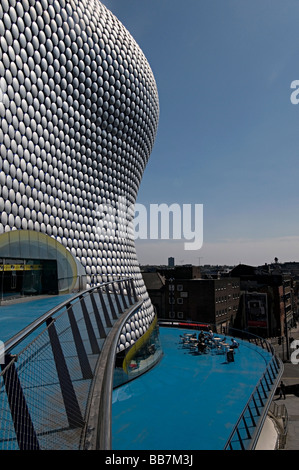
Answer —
46 379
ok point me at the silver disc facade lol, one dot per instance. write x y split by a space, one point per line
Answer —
79 113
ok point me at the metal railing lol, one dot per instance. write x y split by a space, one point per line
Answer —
246 432
97 435
50 368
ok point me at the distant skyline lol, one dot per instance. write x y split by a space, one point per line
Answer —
228 135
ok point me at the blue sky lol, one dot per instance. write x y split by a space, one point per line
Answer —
228 135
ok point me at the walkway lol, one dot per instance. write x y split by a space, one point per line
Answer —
45 386
18 313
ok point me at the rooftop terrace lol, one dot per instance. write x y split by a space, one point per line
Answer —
188 401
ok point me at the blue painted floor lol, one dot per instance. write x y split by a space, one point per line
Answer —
186 402
16 316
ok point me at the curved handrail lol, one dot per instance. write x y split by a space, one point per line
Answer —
25 332
258 429
70 353
98 423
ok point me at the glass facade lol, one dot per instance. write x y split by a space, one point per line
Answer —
27 277
145 353
32 263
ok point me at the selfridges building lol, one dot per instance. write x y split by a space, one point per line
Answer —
79 113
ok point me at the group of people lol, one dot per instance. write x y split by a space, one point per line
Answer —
206 340
209 340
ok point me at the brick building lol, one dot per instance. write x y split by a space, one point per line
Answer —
214 301
267 302
181 294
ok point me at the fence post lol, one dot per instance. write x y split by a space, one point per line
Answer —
98 317
25 433
112 309
128 288
71 404
81 352
123 295
120 310
90 331
134 291
105 310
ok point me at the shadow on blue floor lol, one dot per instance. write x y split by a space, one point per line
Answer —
189 402
16 316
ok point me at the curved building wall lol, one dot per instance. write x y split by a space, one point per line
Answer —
79 113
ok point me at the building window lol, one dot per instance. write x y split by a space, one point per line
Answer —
180 301
181 315
179 287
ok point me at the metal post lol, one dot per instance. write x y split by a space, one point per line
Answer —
25 433
112 309
240 439
260 398
71 404
90 331
97 317
128 287
120 310
81 352
122 296
134 291
105 310
251 416
246 427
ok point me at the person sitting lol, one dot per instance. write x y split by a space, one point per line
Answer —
210 334
201 336
201 347
210 338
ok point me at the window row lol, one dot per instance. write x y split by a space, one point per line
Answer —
179 301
